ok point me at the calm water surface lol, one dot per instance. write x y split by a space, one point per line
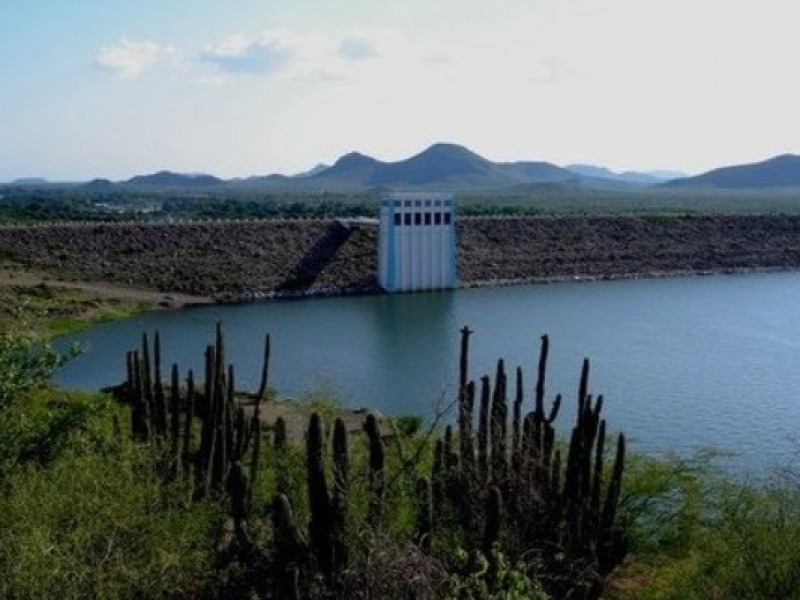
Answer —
683 363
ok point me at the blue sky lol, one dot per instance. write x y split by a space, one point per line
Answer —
113 88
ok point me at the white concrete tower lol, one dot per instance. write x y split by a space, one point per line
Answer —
417 242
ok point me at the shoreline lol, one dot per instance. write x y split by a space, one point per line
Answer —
267 297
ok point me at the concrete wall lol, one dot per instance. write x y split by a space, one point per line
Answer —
417 242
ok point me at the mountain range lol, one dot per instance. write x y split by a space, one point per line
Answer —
441 166
452 167
779 172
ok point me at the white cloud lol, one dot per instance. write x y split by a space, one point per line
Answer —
305 56
239 54
130 59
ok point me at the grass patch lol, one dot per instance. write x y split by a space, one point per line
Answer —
99 312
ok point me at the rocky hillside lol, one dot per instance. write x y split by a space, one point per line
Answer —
251 260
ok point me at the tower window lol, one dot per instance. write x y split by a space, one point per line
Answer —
397 219
407 219
447 218
427 218
437 218
417 219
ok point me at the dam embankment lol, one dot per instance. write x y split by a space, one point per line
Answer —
248 260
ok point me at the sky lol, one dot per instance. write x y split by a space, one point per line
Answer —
115 88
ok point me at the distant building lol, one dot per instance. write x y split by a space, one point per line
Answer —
417 242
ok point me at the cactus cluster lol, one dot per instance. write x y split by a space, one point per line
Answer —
521 488
502 484
212 460
325 549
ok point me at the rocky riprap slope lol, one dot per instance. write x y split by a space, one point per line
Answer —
252 260
225 260
564 247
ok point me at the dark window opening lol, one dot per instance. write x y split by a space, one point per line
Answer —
417 219
447 218
397 219
427 218
437 218
407 219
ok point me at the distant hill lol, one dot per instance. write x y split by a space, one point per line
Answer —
445 166
30 181
537 172
318 168
779 172
174 180
351 170
98 184
632 177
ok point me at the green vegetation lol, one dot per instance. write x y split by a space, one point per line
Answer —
80 203
54 311
88 511
73 203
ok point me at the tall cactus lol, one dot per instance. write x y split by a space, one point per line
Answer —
291 549
262 390
341 489
159 398
236 486
281 457
483 430
175 421
188 421
255 460
320 526
377 481
498 426
466 399
516 427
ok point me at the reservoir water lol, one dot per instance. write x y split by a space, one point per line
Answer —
683 363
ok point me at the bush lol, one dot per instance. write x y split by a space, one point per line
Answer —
26 360
94 525
698 534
